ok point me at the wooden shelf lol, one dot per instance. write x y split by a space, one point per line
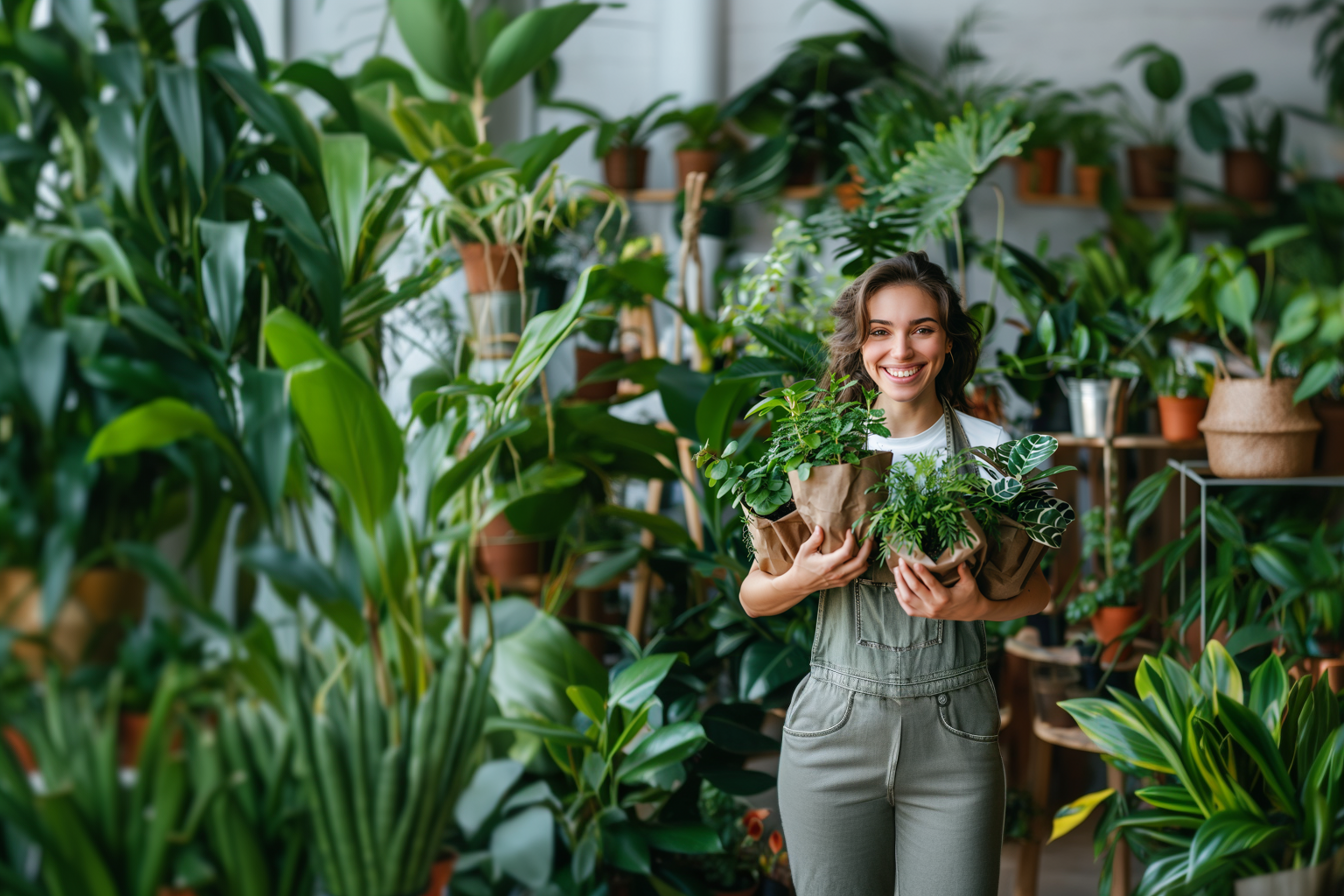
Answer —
1146 206
1135 440
1072 738
663 197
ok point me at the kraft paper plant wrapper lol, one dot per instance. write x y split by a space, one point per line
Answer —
945 567
1007 566
835 496
776 542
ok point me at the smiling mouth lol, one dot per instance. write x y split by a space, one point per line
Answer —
902 374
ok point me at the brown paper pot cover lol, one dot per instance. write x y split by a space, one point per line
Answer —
1254 431
1008 564
776 542
834 497
945 567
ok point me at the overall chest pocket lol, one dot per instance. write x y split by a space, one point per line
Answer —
881 623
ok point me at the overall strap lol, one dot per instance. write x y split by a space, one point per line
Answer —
957 441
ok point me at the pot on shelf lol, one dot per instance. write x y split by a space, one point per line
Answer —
1247 175
89 625
690 161
1330 442
1089 406
489 267
1087 181
1254 431
849 193
1152 171
1045 170
1110 623
585 362
626 167
506 556
1180 416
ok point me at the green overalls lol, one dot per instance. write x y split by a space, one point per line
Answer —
890 779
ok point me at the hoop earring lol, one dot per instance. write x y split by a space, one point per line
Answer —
949 355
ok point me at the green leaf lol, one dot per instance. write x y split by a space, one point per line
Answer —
1120 732
1250 732
108 251
1277 236
1298 320
523 845
638 681
1145 498
22 260
1045 331
149 426
589 702
682 391
1235 83
527 42
663 528
115 139
324 82
1169 301
1208 125
608 568
41 357
688 839
345 174
1169 796
1275 566
1236 300
180 98
436 32
1227 834
1317 377
666 746
223 272
768 664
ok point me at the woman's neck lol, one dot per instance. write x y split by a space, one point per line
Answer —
910 418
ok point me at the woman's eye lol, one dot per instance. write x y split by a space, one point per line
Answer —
878 332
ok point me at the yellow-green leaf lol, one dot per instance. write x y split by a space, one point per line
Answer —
1076 812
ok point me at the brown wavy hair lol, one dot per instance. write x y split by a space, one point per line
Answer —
851 326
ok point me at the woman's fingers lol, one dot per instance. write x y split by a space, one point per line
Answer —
859 564
813 543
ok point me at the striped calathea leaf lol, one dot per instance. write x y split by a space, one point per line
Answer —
1017 489
1045 519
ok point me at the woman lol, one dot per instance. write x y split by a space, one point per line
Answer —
890 779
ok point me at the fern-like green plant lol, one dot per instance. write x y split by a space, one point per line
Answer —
816 429
926 497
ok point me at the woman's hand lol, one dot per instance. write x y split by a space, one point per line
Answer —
921 594
766 595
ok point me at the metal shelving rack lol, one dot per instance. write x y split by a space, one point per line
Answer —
1199 473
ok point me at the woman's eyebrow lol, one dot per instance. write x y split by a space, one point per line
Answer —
918 320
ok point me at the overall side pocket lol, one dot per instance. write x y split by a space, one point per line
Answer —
818 709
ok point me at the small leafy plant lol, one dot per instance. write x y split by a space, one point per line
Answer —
1017 489
923 509
817 429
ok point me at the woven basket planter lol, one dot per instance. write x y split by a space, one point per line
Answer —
1254 431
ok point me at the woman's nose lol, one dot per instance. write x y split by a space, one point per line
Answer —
901 349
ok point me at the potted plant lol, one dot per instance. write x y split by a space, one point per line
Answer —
1249 171
146 653
1250 780
1090 137
621 142
736 870
637 274
1320 358
1153 162
1029 520
1182 396
930 516
816 470
1048 112
1107 595
704 140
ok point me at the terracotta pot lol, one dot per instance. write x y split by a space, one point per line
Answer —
89 624
23 752
850 193
1247 175
1254 431
489 268
626 167
1180 417
1110 623
1045 161
690 161
1026 176
1087 181
1330 443
1191 639
440 875
585 362
504 555
1152 171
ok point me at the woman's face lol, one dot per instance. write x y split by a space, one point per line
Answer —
906 344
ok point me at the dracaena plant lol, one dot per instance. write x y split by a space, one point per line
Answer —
924 506
1252 772
1017 489
815 429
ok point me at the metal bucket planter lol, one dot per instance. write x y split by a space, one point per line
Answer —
1089 406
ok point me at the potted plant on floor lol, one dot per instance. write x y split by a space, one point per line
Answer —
1153 162
816 470
736 870
621 144
1090 137
1249 171
1252 777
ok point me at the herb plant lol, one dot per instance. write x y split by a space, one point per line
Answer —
1016 489
817 429
923 509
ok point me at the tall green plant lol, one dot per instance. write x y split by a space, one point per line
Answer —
1253 772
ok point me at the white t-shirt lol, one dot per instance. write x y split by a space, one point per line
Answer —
980 433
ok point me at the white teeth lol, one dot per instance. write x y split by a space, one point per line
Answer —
902 374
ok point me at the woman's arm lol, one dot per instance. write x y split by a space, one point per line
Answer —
921 594
765 595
